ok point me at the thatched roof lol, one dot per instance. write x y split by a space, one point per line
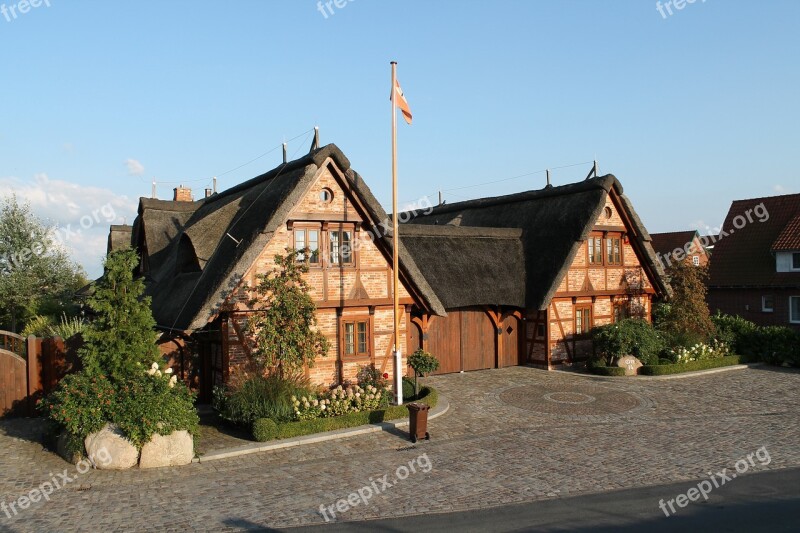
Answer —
119 237
469 266
199 251
553 222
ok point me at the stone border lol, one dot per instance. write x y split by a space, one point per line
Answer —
441 408
682 375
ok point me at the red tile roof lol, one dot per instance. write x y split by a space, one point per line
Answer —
789 239
744 257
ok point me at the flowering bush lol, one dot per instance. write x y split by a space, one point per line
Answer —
259 396
700 351
148 402
154 402
339 401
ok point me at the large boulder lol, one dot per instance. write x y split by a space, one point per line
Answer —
175 449
110 450
631 365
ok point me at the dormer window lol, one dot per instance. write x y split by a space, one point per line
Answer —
796 261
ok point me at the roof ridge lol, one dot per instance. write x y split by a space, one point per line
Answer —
602 182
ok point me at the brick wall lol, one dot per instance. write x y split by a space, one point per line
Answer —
747 304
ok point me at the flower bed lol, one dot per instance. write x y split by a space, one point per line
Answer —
265 429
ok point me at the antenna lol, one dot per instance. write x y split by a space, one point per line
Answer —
548 178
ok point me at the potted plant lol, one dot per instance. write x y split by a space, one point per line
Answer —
423 363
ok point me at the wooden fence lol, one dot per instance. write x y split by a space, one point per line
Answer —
31 368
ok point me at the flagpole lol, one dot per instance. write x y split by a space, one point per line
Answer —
398 357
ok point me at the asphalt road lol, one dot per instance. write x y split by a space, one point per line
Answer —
765 501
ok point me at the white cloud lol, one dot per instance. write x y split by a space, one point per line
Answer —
780 189
135 168
81 214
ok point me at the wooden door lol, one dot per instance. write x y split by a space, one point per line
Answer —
510 353
13 384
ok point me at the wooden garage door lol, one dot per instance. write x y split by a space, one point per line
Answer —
444 341
478 338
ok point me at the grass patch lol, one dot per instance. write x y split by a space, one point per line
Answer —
265 429
691 366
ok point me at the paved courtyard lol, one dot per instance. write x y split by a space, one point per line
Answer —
511 435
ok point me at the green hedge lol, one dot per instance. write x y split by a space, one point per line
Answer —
691 366
265 429
607 370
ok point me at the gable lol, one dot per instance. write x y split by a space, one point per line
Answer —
327 206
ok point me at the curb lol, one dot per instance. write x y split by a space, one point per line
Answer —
441 408
682 375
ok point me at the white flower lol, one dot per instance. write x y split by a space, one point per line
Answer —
151 372
158 373
168 371
172 381
154 366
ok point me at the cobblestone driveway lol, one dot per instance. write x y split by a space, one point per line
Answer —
501 442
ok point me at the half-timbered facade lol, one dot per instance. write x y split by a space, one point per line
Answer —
563 260
484 284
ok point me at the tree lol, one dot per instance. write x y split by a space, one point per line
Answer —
36 274
686 317
121 340
285 331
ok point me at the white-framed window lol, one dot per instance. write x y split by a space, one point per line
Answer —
794 309
696 260
767 303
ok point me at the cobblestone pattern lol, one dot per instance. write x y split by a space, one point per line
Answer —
485 452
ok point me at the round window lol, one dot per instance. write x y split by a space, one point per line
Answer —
326 196
608 212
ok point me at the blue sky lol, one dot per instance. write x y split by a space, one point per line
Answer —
689 111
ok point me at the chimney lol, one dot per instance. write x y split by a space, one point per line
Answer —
182 194
208 192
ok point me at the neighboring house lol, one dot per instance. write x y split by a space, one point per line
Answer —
524 277
484 283
756 268
679 246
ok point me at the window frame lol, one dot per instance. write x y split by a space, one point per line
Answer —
340 229
797 318
764 308
624 306
581 308
696 260
306 228
795 255
592 258
610 258
356 322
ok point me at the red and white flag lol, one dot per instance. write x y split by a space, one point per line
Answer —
401 102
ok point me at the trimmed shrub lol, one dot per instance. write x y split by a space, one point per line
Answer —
703 364
288 430
607 370
408 389
423 364
265 429
738 333
775 345
631 336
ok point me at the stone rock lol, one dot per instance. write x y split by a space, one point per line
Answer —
631 365
175 449
63 448
110 450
